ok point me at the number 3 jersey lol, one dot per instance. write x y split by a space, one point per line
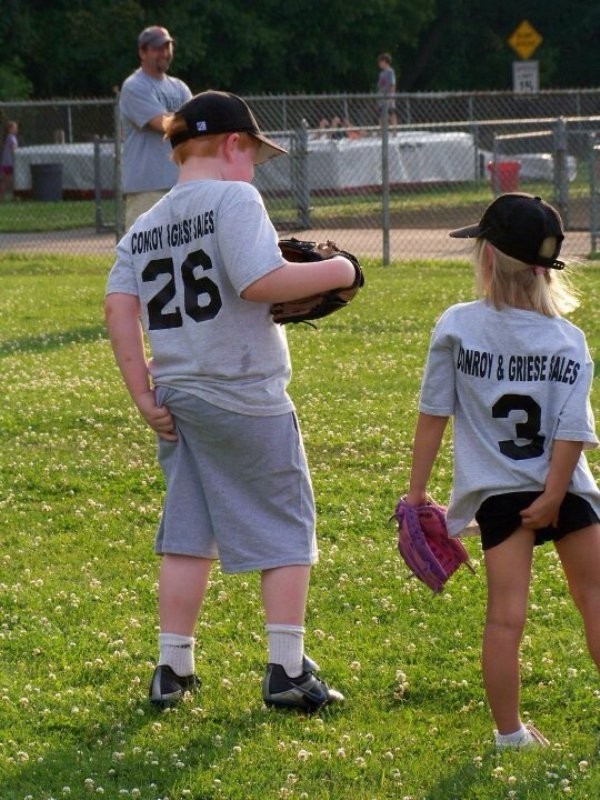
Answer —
514 381
188 259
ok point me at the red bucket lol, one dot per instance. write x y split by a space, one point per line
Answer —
504 175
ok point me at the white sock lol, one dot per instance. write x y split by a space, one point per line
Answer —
286 647
508 739
177 652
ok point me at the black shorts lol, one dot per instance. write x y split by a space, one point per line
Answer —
498 517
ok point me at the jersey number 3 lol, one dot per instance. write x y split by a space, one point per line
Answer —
194 289
529 429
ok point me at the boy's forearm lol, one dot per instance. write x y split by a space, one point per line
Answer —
125 333
294 280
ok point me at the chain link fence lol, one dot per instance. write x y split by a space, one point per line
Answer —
385 192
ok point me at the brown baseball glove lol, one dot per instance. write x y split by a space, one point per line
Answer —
307 309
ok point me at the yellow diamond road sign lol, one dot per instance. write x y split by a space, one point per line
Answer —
524 39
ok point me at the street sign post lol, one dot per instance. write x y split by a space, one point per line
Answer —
526 77
524 40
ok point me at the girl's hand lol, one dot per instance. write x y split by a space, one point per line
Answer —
415 498
542 512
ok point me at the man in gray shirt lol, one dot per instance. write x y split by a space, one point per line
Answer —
147 95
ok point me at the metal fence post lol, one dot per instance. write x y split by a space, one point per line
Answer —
494 167
118 185
594 162
300 174
385 185
561 169
97 185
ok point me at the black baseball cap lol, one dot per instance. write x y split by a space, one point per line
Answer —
221 112
517 224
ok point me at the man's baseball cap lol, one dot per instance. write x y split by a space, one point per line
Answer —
517 224
154 36
221 112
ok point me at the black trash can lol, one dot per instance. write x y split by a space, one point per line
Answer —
46 181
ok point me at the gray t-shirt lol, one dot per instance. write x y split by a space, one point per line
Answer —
188 260
147 165
515 381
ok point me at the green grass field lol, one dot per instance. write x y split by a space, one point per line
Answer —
80 493
434 205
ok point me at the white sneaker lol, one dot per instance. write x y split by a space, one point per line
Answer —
530 737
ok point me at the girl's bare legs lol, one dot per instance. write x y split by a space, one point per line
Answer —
508 570
579 553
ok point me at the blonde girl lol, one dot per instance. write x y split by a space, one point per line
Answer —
515 376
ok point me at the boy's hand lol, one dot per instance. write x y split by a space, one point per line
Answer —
157 417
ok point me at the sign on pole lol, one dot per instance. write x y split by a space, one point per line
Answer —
524 40
526 77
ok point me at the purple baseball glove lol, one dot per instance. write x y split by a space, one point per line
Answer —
423 542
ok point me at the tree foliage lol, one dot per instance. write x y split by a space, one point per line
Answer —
84 48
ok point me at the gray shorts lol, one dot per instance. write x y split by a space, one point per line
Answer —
238 488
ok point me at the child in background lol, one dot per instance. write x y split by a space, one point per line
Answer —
201 270
516 377
386 87
7 159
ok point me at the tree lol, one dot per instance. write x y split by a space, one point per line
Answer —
84 48
466 47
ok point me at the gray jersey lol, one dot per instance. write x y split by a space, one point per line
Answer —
147 165
188 259
515 381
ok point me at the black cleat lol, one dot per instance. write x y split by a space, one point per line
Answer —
167 688
306 692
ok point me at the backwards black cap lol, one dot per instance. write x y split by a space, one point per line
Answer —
517 224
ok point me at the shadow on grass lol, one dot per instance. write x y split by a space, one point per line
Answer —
132 746
52 341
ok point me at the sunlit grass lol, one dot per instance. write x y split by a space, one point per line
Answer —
80 494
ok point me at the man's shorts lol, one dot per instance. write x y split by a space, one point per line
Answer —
137 203
238 487
498 517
